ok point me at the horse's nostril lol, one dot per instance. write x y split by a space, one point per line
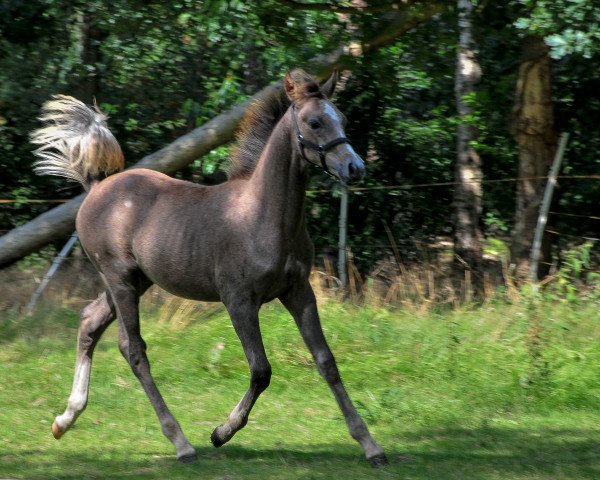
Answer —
355 171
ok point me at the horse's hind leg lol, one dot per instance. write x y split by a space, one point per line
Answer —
302 305
133 348
94 319
244 317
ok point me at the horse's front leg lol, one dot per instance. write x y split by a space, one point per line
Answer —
95 318
301 303
244 316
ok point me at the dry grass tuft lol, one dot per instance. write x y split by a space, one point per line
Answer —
420 287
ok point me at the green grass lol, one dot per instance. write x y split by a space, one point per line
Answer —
497 392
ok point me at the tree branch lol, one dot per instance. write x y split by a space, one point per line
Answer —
401 22
295 5
405 20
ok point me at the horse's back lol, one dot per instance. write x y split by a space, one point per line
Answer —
121 204
194 241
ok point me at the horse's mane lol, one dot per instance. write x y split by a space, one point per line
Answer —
254 132
260 120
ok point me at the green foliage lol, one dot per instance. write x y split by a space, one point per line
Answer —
496 247
37 261
162 69
576 278
569 26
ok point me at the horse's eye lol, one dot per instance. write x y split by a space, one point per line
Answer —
314 124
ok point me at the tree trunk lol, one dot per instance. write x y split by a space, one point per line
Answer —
533 129
60 221
91 39
468 239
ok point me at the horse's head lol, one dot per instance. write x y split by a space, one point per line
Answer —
319 127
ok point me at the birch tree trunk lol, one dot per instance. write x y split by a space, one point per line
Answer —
468 239
533 129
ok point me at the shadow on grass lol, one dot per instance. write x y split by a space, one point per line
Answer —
449 453
492 452
226 463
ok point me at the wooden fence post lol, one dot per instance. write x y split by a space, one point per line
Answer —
342 267
55 264
545 207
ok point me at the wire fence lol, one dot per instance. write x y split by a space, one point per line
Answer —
363 189
354 247
51 201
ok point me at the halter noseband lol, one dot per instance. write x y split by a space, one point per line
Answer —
320 149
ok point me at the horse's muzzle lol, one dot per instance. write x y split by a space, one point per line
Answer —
352 170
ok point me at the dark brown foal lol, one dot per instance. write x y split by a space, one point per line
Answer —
243 242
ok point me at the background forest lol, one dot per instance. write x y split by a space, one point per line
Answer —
162 69
457 108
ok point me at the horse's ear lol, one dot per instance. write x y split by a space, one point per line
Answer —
290 86
329 86
299 85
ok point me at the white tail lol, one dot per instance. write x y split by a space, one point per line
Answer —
75 142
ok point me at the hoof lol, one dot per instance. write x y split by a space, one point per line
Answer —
378 461
56 431
188 458
215 439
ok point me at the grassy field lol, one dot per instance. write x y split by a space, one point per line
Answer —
501 391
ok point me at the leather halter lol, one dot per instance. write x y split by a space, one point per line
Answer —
320 149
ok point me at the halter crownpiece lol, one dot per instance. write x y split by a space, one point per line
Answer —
320 149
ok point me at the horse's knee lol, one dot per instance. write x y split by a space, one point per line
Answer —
136 357
132 350
327 366
137 366
261 376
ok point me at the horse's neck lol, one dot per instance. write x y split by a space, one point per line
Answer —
279 181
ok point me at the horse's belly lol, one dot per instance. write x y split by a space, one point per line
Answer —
186 285
187 274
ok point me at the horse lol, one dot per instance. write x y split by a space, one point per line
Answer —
243 242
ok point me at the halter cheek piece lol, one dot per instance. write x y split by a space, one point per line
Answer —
320 149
